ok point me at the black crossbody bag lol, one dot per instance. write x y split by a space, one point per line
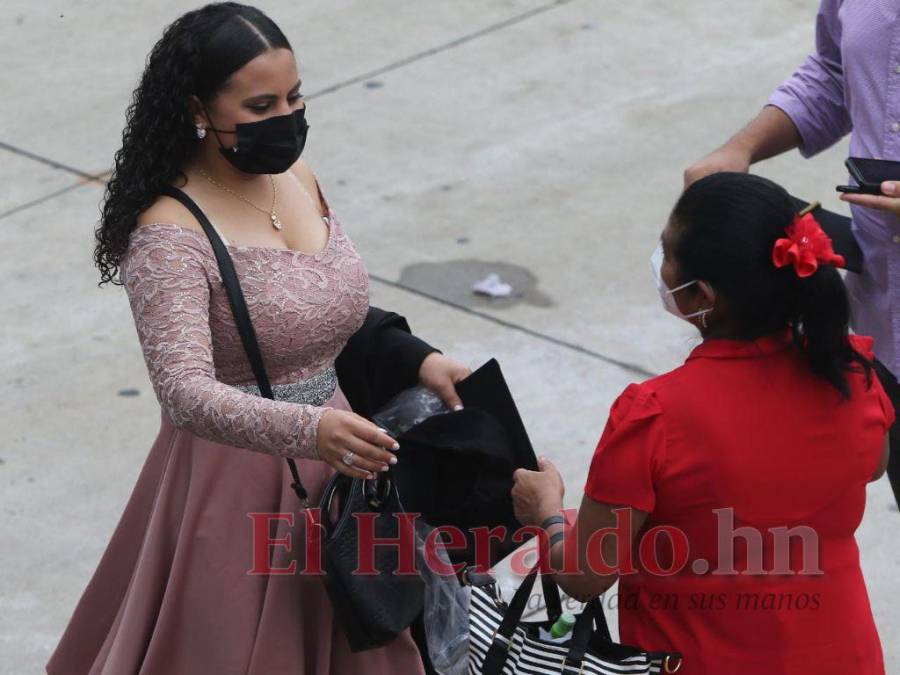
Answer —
371 609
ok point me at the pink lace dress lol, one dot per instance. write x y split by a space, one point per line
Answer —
172 594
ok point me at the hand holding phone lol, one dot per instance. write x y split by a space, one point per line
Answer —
869 174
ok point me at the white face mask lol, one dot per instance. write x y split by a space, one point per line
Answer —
666 293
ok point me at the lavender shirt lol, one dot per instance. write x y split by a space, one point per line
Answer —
852 84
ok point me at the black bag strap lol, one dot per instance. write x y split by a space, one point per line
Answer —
551 597
502 639
501 642
582 631
241 315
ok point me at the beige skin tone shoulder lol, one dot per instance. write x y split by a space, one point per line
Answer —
266 86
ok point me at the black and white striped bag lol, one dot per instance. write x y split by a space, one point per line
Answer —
499 642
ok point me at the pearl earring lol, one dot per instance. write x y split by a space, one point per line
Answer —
201 132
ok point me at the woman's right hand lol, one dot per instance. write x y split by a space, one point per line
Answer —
341 431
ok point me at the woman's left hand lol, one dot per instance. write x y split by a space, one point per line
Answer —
888 201
440 374
537 495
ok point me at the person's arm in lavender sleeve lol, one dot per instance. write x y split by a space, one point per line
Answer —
168 291
806 111
813 97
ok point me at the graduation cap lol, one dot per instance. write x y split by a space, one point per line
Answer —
486 389
837 227
455 467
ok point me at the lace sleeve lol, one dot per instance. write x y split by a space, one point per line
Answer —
168 290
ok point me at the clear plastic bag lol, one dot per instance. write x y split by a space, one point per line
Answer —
446 607
446 611
409 408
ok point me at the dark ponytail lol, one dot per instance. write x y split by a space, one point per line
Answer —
727 224
196 55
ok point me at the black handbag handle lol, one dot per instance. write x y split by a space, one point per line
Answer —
241 315
551 597
375 492
581 633
502 638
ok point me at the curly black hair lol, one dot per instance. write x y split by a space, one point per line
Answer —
196 55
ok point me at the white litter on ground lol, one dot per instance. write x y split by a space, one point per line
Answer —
493 287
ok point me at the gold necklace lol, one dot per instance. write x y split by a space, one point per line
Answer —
276 223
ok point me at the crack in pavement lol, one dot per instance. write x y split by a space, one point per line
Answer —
396 65
624 365
40 200
469 37
84 175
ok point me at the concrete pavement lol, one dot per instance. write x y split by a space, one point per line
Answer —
450 138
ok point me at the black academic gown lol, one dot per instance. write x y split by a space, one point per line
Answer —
379 361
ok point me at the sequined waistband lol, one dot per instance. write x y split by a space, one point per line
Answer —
315 390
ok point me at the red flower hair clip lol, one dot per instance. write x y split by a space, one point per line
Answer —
805 247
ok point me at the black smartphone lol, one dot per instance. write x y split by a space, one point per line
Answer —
869 174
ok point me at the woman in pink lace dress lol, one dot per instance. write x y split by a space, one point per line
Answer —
171 594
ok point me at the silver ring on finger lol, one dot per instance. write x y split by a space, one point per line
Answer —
348 458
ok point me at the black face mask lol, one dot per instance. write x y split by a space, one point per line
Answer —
271 145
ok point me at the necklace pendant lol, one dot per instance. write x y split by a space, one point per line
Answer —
275 222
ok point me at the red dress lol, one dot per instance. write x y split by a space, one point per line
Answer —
744 435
